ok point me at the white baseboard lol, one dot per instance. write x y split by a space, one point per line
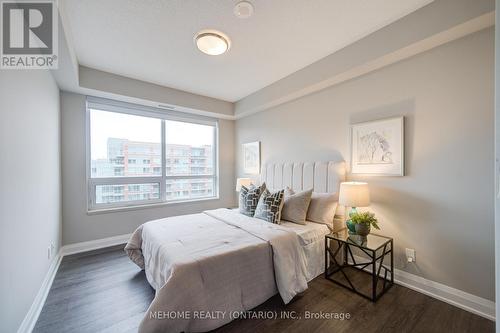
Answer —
34 312
456 297
461 299
31 317
94 245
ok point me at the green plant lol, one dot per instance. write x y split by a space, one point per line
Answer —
365 218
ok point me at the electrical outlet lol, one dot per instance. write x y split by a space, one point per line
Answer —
411 255
52 249
49 253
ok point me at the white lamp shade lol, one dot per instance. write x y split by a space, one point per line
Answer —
242 182
354 194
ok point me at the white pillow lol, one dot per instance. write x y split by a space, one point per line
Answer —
296 205
322 208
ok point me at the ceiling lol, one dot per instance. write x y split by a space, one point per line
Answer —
153 40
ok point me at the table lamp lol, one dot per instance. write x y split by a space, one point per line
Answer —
242 182
354 194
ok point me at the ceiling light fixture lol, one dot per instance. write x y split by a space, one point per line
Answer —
212 42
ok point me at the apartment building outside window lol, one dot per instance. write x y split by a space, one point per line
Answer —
140 155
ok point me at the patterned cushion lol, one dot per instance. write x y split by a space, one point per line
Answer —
249 198
269 206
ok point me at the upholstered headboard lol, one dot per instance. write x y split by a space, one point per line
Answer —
322 177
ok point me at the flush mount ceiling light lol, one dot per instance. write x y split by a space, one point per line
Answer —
212 42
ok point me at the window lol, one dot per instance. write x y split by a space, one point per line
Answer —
140 155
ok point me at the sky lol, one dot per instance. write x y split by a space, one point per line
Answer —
104 125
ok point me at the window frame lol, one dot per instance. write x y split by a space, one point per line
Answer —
108 105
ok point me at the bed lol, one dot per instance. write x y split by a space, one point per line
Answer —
208 267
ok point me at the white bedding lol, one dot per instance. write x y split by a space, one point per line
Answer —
221 260
308 233
312 239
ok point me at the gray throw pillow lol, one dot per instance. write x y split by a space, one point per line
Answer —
322 208
249 198
296 205
269 206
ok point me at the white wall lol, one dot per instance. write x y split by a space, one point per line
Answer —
30 209
78 225
443 207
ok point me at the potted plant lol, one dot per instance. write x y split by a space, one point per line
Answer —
363 221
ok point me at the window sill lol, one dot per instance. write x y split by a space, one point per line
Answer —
147 206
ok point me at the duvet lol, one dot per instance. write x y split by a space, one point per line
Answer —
206 267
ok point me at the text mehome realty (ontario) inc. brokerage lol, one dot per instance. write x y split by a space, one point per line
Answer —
268 315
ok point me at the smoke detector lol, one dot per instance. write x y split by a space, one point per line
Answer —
243 9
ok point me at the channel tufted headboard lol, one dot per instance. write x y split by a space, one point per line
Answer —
322 177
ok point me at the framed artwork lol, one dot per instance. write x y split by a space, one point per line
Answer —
377 147
251 157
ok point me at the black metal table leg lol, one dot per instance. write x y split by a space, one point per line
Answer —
334 266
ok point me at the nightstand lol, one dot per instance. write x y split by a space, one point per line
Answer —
360 264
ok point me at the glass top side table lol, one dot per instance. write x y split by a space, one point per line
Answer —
349 256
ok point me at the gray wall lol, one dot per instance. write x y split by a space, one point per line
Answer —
30 209
80 226
443 207
497 161
445 18
126 88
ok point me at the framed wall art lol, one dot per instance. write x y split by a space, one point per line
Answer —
251 158
377 147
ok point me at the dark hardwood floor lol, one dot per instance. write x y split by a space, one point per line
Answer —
103 291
